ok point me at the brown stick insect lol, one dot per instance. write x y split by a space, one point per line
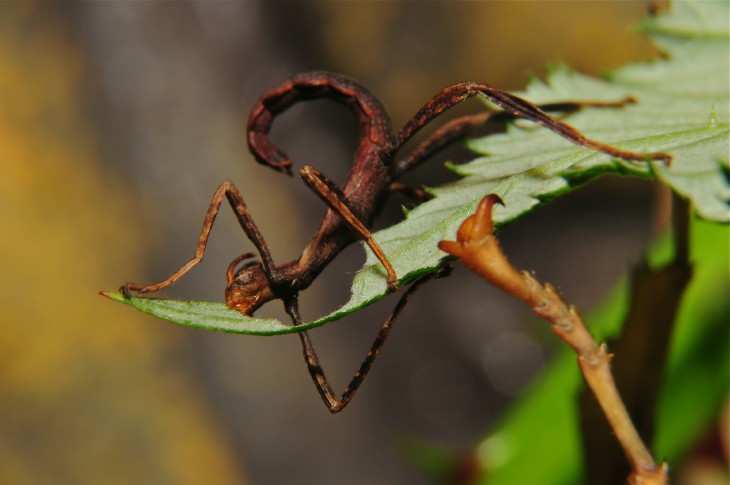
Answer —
353 207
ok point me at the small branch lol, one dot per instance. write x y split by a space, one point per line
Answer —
479 250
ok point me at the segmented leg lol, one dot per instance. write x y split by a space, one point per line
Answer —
334 403
517 107
458 128
335 200
231 193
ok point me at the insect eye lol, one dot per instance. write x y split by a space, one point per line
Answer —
244 277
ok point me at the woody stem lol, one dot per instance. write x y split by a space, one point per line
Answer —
480 251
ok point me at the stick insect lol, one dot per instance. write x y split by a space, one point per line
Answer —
353 207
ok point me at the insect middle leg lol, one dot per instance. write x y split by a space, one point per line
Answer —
229 191
334 403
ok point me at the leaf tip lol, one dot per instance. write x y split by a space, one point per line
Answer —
454 168
113 295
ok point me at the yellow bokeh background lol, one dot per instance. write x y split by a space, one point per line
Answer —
86 392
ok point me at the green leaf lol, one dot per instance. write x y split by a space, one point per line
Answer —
682 109
208 315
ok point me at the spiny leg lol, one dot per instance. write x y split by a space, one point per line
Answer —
228 190
335 200
459 128
517 107
334 403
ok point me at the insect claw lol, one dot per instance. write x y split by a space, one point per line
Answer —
392 286
665 158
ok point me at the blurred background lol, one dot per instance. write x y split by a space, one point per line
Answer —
117 122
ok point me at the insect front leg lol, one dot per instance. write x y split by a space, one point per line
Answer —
229 191
335 200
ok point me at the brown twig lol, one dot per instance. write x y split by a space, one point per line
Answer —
479 250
